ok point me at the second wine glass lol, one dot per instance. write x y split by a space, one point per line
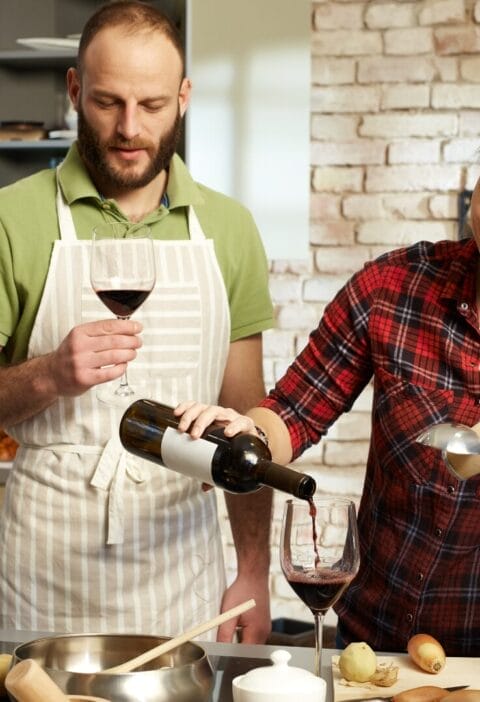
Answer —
319 555
122 273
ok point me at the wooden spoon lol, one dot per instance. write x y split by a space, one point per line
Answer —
133 663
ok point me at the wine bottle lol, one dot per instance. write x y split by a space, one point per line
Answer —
239 464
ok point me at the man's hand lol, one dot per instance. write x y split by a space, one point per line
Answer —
93 353
255 624
90 354
195 417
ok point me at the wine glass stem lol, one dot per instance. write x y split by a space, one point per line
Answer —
124 389
123 382
318 617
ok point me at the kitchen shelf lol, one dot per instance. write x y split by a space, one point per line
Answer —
33 59
32 88
39 144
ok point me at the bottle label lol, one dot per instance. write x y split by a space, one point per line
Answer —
191 457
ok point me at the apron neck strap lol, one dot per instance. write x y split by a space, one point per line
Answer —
194 227
65 219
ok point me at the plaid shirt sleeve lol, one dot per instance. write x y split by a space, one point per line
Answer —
332 370
409 321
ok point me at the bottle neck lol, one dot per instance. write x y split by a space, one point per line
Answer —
286 479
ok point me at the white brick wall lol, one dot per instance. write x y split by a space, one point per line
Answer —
395 126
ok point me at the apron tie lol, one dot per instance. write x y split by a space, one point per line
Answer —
113 467
110 473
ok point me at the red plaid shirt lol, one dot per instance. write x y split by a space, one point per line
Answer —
409 320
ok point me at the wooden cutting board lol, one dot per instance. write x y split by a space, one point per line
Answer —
457 671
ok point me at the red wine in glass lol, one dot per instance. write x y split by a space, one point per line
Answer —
319 589
319 555
123 303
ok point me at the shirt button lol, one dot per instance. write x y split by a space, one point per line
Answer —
464 307
106 206
451 489
438 531
409 617
419 577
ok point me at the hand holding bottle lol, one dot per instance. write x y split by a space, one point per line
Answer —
195 418
238 464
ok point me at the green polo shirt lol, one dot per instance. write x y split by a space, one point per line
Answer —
29 227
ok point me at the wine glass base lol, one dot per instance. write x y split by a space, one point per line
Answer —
111 394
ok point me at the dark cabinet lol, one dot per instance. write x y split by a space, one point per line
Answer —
32 82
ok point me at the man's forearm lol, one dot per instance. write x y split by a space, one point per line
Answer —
276 431
250 514
250 518
25 390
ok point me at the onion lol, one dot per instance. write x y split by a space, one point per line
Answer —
427 653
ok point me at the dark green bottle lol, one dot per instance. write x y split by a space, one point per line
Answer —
239 464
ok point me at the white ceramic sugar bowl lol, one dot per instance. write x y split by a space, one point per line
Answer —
278 683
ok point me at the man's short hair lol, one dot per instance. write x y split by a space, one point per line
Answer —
133 16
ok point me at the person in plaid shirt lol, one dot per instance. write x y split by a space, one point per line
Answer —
410 321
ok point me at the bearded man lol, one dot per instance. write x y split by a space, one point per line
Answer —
93 539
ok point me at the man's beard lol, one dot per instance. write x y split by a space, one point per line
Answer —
94 153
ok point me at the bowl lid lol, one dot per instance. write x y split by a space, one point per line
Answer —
280 678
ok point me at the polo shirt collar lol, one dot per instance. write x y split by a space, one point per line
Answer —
181 188
76 183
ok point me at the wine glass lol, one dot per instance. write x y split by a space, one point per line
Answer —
319 555
122 273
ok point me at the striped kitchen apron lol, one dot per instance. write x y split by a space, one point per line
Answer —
93 538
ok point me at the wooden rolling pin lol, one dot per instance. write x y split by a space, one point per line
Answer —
28 682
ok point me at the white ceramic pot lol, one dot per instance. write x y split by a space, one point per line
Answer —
278 683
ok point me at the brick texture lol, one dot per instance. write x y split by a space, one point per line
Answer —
395 123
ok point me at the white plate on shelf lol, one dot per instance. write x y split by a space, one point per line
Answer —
62 134
48 43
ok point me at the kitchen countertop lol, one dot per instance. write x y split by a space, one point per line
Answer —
228 660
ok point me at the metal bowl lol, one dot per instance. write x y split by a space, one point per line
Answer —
75 662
